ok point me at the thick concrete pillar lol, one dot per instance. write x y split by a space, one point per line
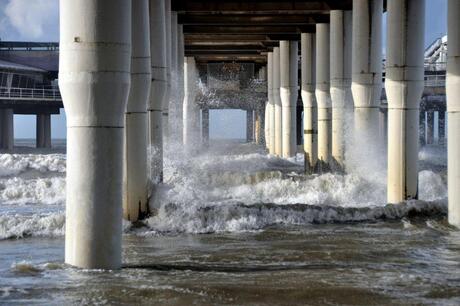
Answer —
310 112
7 129
43 131
367 75
173 114
278 117
249 125
94 79
135 192
323 97
165 121
159 88
205 127
453 111
191 135
340 65
288 91
180 82
270 110
404 86
430 127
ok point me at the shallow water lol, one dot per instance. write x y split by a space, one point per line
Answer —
235 226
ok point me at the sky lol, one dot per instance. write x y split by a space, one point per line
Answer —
38 20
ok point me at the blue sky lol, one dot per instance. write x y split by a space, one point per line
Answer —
38 20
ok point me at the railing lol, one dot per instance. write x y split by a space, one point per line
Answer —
435 80
49 93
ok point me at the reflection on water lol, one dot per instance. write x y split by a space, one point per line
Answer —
234 226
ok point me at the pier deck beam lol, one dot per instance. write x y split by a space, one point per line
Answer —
288 93
159 88
453 111
310 120
340 64
367 75
404 86
135 180
43 131
323 97
94 79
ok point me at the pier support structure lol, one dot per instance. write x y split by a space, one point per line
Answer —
159 88
310 120
270 110
7 129
278 118
366 84
250 125
43 131
94 79
205 127
323 97
191 136
453 111
135 150
404 86
165 107
340 64
288 92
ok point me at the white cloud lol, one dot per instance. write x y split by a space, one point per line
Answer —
32 18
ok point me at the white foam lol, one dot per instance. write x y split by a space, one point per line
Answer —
37 225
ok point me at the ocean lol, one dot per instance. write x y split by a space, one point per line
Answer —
235 226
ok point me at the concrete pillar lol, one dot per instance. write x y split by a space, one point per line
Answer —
278 136
249 125
404 86
310 112
299 127
205 127
288 91
43 131
165 118
259 118
135 192
7 128
180 81
270 110
191 118
430 127
367 76
422 128
340 65
159 88
94 79
453 111
442 126
322 93
173 114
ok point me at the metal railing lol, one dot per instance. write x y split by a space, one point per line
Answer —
49 93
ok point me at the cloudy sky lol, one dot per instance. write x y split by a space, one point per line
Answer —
38 20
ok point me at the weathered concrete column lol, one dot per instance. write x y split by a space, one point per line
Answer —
323 97
310 111
430 127
340 64
442 126
205 127
43 131
94 79
278 117
159 88
180 81
165 121
367 75
191 135
257 129
404 86
249 125
173 115
270 110
7 128
135 192
453 111
288 91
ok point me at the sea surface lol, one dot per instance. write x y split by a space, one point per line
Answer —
235 226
